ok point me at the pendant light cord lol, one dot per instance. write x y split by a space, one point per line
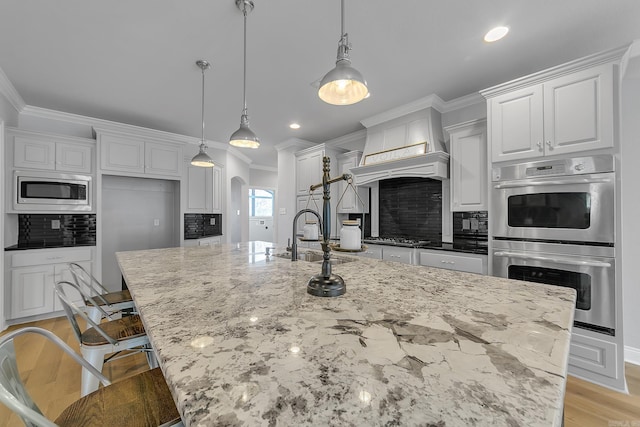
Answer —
341 18
244 83
202 140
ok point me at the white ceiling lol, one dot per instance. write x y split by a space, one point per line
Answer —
134 61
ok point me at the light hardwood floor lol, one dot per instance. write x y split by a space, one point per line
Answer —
53 380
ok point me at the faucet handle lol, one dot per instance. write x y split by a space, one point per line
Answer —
288 248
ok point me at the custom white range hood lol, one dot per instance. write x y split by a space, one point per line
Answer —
410 145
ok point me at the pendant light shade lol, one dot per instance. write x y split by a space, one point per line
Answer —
244 136
202 159
344 85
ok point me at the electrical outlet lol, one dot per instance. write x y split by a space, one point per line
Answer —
474 224
55 224
283 211
156 222
212 221
466 224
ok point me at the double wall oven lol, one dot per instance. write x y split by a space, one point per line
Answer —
553 222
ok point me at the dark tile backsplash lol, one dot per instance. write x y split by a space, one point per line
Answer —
411 208
197 226
471 223
51 230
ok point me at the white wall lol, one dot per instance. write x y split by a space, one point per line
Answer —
263 178
131 208
630 206
285 194
237 168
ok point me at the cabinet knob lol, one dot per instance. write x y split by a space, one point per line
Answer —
549 145
540 146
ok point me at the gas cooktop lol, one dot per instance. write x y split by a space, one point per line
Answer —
397 241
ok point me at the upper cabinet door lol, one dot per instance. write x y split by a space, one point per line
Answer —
516 124
579 111
33 153
121 154
199 189
73 157
218 180
469 167
163 159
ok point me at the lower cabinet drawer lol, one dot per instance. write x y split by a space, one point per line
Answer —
466 263
404 255
593 354
50 256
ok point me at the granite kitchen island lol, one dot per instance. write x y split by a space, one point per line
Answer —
241 343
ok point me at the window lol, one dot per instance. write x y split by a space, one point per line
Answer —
260 202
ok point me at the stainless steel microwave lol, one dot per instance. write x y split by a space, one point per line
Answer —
49 191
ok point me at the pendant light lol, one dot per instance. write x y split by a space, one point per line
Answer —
244 136
344 85
202 159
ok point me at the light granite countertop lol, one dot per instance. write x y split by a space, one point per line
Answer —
241 343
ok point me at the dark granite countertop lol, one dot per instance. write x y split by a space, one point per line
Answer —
19 247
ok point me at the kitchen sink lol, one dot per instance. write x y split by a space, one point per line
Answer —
315 257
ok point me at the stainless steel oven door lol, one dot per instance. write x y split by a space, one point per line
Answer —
575 208
591 273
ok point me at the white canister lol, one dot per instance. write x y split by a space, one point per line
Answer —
350 235
310 230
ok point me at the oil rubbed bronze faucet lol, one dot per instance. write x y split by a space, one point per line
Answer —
324 284
294 245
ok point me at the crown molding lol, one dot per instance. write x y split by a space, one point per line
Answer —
297 143
347 139
263 168
101 125
236 152
433 101
10 93
612 55
462 102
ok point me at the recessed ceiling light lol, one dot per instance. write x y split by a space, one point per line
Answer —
294 126
496 34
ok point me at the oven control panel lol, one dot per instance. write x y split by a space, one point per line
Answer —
557 167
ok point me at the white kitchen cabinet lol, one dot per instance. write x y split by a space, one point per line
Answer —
595 357
309 167
349 201
208 241
468 166
308 171
31 291
457 261
398 254
372 251
218 179
34 150
197 188
561 111
31 276
130 155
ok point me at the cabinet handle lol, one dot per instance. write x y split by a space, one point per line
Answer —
54 257
549 145
540 146
447 262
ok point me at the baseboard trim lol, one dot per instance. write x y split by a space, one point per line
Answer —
632 355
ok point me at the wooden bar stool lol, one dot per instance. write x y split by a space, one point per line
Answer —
124 336
143 400
102 301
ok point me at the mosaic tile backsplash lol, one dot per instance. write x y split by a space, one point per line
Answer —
51 230
197 226
411 208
